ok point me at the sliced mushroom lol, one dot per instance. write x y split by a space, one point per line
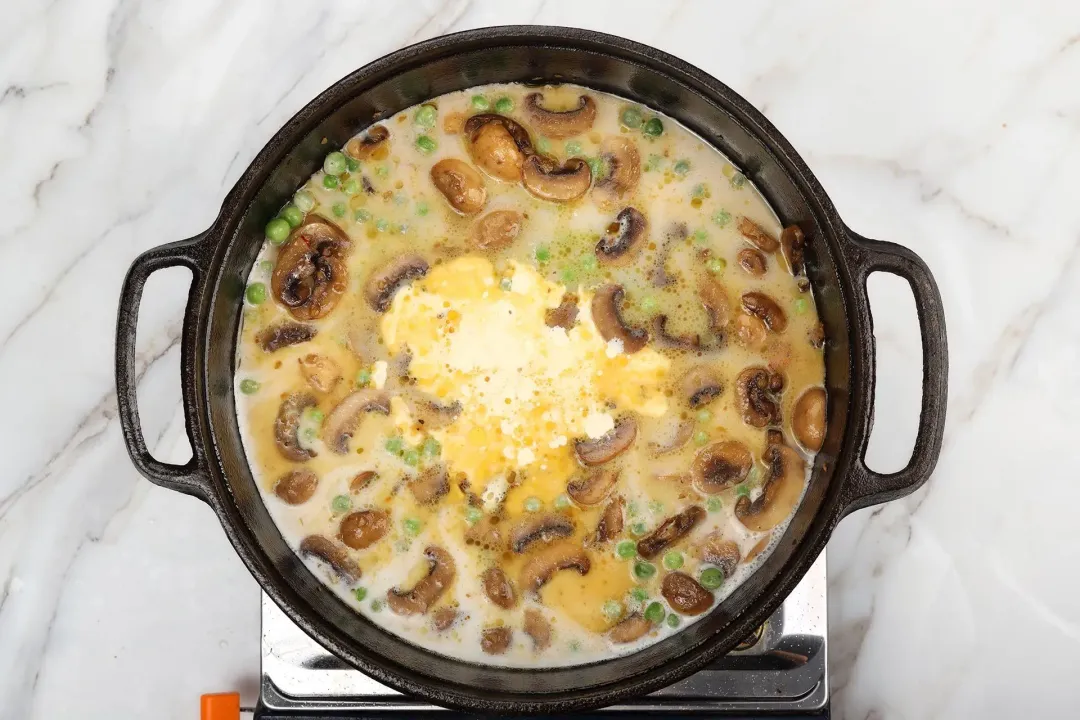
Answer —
321 372
808 420
364 528
287 424
443 618
752 261
816 336
296 486
432 415
759 547
333 555
487 533
757 235
624 238
538 628
559 556
563 316
753 397
669 532
721 552
539 528
684 429
685 594
720 466
342 421
609 322
715 300
593 487
498 589
560 123
422 596
373 143
658 274
546 179
666 339
496 640
701 385
611 521
361 480
498 145
781 492
496 230
750 331
613 442
284 334
310 276
793 249
384 282
624 170
766 308
630 629
460 184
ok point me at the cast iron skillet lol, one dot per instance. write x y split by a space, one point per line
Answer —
839 262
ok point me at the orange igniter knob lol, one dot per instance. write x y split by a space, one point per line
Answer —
220 706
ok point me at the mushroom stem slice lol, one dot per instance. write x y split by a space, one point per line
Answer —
767 309
540 528
630 629
611 521
275 337
560 556
669 532
603 449
431 484
537 627
384 282
754 398
808 419
560 124
624 238
498 588
624 170
441 571
793 249
592 488
781 493
546 179
757 236
332 554
609 322
342 421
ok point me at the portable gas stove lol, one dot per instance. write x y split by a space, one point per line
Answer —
780 671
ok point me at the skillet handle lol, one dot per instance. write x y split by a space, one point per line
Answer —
866 487
191 478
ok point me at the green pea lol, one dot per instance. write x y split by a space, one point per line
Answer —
700 235
632 508
304 200
266 266
376 605
473 515
431 448
543 254
352 164
277 231
673 620
382 171
626 549
412 527
394 445
351 187
533 504
339 209
362 215
574 645
249 386
359 593
656 507
335 163
422 208
644 570
713 504
737 180
801 306
701 190
631 118
425 116
411 458
426 145
561 502
292 215
255 293
639 594
704 415
330 182
742 490
701 437
589 263
543 145
721 217
716 265
505 283
568 275
598 166
711 578
654 162
655 612
573 148
363 377
612 609
673 560
504 105
654 127
681 168
648 303
480 103
314 416
341 503
637 529
382 225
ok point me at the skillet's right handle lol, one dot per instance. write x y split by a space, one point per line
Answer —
193 477
866 487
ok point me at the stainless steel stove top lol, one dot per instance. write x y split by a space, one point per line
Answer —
783 668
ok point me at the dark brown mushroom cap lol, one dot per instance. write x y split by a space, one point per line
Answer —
767 309
496 230
666 339
714 299
808 419
560 124
793 249
757 236
498 588
284 334
565 315
780 494
441 571
537 627
364 528
373 143
669 532
296 486
498 145
431 484
384 282
717 550
496 640
630 628
683 431
342 421
546 179
539 528
624 170
624 238
754 398
592 487
609 322
685 594
287 424
539 568
461 185
701 385
611 521
321 372
602 449
332 554
752 261
720 466
310 276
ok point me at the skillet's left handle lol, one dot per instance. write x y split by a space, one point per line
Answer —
866 487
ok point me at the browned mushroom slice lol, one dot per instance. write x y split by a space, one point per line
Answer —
720 466
432 415
701 385
384 282
685 594
496 230
362 479
602 449
422 596
624 238
752 261
430 485
683 430
623 162
611 521
669 532
808 419
296 486
287 424
310 276
538 628
460 184
284 334
630 628
759 547
539 528
364 528
498 145
560 123
321 372
563 316
716 550
715 300
757 235
781 492
559 556
793 249
767 309
750 331
443 618
816 336
658 274
498 589
593 487
666 339
496 640
546 179
332 554
372 146
342 421
609 322
754 399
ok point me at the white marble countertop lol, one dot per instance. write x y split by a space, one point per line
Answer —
953 128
